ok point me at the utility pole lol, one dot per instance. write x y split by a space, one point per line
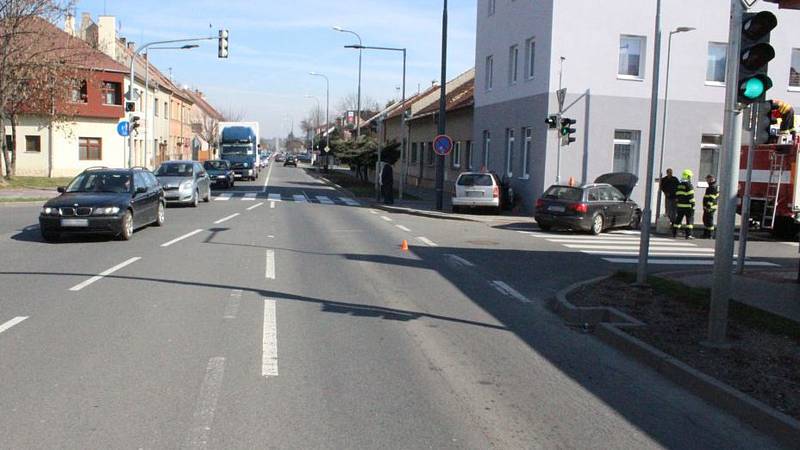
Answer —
561 96
442 113
744 228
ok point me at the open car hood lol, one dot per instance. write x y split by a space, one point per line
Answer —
623 181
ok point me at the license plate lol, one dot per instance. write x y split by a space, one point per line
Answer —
220 177
556 208
474 193
74 222
238 175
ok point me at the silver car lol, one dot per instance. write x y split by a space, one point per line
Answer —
184 182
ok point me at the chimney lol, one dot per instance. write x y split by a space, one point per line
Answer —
107 35
131 45
69 24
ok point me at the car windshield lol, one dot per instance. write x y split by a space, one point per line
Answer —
475 179
564 193
237 150
215 165
110 182
175 170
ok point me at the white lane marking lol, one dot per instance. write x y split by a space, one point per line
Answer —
206 404
459 260
505 289
271 205
178 239
652 253
388 219
427 241
232 308
636 247
270 270
266 182
269 358
11 323
308 199
349 201
225 219
299 198
275 197
249 197
103 274
255 206
683 262
374 211
223 197
613 241
792 244
403 228
324 200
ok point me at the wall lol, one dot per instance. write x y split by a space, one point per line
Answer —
459 127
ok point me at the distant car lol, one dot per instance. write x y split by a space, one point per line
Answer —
104 201
220 173
184 182
280 157
290 161
593 207
477 190
304 157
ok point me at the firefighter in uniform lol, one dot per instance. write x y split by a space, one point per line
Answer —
684 205
710 200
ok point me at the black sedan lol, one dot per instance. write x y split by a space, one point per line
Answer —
594 207
290 161
104 201
220 173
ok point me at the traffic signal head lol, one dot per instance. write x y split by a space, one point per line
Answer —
130 106
756 53
551 121
135 123
765 119
567 131
223 44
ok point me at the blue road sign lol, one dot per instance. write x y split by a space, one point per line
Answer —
123 128
442 144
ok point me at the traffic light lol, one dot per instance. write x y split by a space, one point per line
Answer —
134 124
551 121
764 122
223 44
567 131
753 80
130 106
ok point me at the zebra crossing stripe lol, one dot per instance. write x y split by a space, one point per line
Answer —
275 197
684 262
324 200
299 198
251 197
349 201
223 197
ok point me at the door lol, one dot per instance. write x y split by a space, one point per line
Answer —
154 191
617 208
141 203
203 180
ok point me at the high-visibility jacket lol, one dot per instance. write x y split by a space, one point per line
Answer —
711 198
685 195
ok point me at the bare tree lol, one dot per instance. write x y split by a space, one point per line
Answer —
350 103
233 115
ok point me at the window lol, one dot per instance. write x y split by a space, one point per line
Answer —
710 146
470 152
626 151
530 57
139 180
489 72
510 152
430 153
90 149
155 107
487 142
166 111
513 64
492 5
33 144
715 70
111 93
455 156
527 134
631 57
79 93
10 144
794 71
414 157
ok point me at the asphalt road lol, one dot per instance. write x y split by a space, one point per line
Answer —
295 321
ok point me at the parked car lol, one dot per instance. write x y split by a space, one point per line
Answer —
184 182
477 190
290 161
280 157
594 207
104 201
304 157
220 173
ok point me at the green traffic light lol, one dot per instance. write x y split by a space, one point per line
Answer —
753 88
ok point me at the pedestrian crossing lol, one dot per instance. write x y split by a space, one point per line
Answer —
278 197
622 247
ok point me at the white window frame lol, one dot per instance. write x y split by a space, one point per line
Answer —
470 154
530 58
489 81
510 142
487 144
455 155
513 64
492 7
527 136
642 58
716 149
794 87
634 143
708 62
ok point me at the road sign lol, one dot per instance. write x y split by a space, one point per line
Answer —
442 144
123 128
327 149
561 94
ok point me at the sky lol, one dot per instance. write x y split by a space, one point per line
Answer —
275 44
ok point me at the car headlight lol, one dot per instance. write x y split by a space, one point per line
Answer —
245 165
106 211
186 185
50 211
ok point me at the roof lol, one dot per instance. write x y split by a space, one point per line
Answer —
460 94
398 108
156 76
201 103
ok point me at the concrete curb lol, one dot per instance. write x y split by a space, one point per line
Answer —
610 325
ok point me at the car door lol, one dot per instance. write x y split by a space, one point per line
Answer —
140 202
623 209
153 192
203 181
614 202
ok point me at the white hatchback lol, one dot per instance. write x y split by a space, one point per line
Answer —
477 190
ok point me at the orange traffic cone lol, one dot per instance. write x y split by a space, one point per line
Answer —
404 246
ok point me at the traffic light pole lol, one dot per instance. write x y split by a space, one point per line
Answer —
442 114
755 110
721 288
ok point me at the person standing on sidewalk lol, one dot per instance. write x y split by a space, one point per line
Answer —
669 186
710 200
387 184
684 205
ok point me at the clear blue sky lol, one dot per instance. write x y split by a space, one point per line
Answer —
274 44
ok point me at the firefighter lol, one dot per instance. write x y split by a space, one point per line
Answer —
685 205
710 200
784 111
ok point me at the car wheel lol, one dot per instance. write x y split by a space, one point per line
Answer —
195 199
545 226
636 221
127 227
597 224
50 236
161 216
207 198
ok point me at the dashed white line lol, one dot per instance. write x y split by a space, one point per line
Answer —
255 206
178 239
459 260
388 219
223 197
270 270
406 229
427 241
11 323
269 174
271 205
225 219
232 308
269 358
103 274
505 289
203 416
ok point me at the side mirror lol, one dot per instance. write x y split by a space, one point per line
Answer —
61 189
141 190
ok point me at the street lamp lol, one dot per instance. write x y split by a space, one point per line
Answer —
664 119
316 117
358 100
402 102
327 111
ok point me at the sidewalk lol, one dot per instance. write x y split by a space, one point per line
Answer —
23 194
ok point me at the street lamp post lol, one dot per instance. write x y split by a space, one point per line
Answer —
402 102
358 100
664 119
327 119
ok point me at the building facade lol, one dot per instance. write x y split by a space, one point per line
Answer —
526 49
